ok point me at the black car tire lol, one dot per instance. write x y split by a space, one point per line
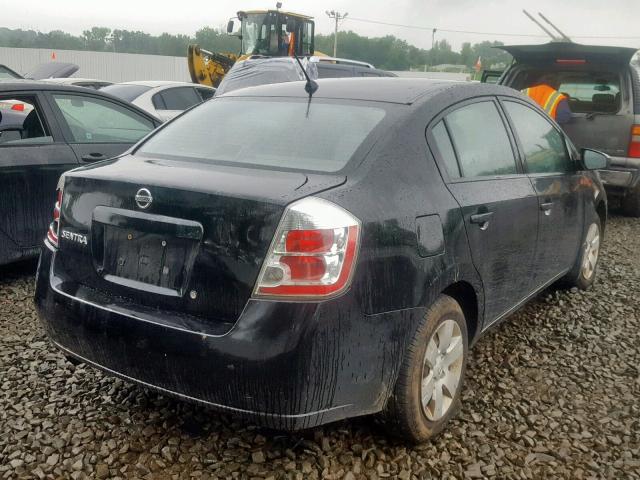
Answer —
630 203
576 276
404 415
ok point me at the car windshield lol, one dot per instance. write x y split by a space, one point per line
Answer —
126 92
280 134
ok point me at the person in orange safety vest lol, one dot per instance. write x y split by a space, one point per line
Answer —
550 99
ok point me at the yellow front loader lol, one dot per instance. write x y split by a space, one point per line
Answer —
264 33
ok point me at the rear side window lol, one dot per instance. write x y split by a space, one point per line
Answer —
443 144
481 141
544 147
176 99
94 120
288 134
206 93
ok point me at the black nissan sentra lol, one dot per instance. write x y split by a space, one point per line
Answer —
300 260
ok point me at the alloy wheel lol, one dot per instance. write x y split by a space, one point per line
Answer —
442 370
591 251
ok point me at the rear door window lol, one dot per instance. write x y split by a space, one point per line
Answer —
481 141
544 147
180 98
205 93
94 120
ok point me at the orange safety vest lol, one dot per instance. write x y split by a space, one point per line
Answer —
545 96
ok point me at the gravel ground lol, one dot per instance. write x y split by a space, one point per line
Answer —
554 392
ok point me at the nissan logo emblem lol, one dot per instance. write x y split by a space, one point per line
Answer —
143 198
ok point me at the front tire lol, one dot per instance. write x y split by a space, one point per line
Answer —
427 393
583 274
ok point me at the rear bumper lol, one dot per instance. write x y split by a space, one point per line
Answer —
283 365
622 174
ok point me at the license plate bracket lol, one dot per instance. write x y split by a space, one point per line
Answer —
143 251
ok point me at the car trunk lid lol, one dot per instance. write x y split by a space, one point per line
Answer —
569 53
197 247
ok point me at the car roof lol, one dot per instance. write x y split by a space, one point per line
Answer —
19 84
375 89
29 85
71 80
160 83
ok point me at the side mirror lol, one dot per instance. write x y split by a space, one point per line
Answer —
594 160
230 26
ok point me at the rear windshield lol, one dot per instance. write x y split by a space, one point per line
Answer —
281 134
588 91
126 92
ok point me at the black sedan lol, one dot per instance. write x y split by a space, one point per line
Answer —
300 260
45 130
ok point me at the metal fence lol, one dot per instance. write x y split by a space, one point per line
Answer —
113 67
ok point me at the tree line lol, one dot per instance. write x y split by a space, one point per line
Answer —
388 52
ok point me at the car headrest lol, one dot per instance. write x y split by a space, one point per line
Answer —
603 98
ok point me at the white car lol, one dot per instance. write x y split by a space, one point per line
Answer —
163 99
80 82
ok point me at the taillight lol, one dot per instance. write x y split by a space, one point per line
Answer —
313 253
18 107
634 145
54 226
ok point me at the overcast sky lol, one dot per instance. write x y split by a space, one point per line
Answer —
578 18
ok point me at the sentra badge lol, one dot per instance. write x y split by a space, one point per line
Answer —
74 237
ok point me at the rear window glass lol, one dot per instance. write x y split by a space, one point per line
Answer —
267 133
586 91
126 92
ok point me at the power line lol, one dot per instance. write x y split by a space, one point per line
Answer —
495 34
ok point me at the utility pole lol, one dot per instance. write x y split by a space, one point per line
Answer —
337 16
433 38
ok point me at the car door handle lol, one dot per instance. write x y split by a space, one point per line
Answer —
93 157
546 207
482 219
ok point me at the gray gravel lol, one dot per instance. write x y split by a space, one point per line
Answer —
554 392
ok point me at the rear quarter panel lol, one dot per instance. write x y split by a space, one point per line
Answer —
395 188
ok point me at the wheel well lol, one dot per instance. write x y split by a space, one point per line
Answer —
465 295
601 210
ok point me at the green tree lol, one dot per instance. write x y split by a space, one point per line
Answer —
97 39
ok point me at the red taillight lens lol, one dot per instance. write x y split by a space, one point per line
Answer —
18 107
634 145
309 241
305 268
313 254
54 226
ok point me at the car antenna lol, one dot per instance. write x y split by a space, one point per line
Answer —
311 86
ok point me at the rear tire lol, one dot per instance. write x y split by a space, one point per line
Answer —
427 393
630 203
583 273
